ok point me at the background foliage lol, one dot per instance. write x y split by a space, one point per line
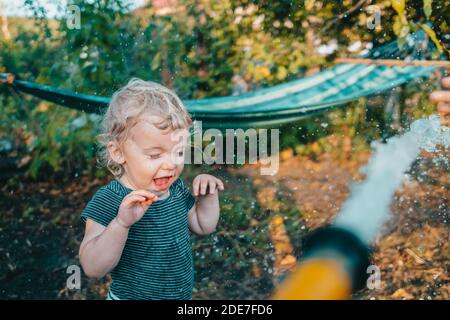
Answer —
199 48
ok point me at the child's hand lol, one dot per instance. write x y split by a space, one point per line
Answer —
134 206
203 181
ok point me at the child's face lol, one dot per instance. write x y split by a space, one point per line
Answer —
153 158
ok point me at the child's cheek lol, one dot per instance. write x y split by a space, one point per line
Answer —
180 168
152 166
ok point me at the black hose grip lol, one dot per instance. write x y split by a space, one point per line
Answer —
332 241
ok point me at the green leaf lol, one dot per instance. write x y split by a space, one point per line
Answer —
281 73
427 8
432 36
156 62
399 6
401 29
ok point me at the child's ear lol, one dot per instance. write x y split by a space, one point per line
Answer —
115 152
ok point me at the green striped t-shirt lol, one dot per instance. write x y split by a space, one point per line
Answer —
156 262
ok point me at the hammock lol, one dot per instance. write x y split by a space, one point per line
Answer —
282 103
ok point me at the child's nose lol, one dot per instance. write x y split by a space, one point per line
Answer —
169 163
168 166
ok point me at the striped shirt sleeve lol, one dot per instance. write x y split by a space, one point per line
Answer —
102 208
186 195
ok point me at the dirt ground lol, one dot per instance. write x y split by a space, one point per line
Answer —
40 231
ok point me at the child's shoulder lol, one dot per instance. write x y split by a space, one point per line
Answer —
104 204
181 192
110 193
178 183
112 189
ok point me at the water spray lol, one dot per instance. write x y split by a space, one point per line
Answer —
336 257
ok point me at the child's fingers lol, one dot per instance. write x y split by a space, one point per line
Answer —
147 194
133 198
203 186
142 196
195 186
148 202
212 186
220 184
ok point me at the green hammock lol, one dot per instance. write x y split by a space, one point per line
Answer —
280 103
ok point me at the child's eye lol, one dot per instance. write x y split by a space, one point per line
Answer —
154 156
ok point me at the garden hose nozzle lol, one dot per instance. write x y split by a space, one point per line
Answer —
334 265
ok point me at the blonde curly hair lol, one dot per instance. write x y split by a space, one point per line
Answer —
128 105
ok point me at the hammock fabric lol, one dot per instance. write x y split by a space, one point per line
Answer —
282 103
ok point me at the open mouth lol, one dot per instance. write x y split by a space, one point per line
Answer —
163 182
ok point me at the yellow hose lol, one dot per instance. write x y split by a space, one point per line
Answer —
316 279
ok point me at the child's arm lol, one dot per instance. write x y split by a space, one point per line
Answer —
204 215
102 247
